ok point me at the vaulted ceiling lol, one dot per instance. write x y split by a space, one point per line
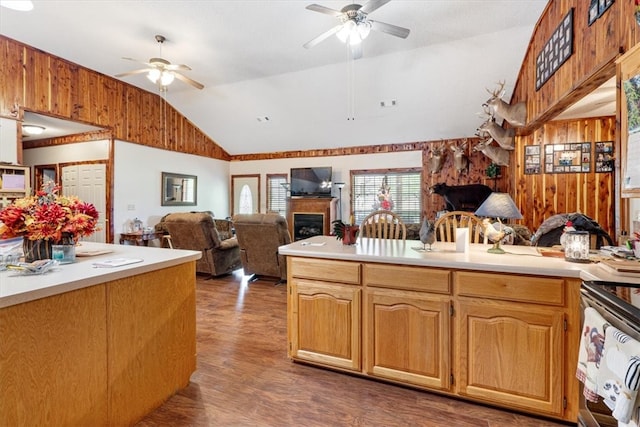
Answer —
264 92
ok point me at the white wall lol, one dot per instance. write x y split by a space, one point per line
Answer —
137 183
83 151
137 177
341 167
8 140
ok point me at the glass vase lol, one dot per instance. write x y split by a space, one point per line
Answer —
36 249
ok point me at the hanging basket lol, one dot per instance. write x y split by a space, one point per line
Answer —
36 249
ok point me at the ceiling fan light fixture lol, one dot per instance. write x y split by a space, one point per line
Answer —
364 28
353 32
32 129
344 34
154 75
166 78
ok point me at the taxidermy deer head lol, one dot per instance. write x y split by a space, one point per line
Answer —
460 159
516 114
504 137
498 155
436 158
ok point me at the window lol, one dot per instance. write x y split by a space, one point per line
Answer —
399 187
277 194
246 200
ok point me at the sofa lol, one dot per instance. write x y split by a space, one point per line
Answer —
259 237
200 231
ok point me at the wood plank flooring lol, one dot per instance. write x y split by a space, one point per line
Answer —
244 377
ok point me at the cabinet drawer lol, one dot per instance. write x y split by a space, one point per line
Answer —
410 278
510 287
328 271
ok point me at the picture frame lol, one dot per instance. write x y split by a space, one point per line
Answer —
604 158
532 162
567 158
555 52
179 189
594 12
603 5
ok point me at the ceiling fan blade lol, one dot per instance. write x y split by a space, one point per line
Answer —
356 51
136 60
322 37
130 73
175 67
390 29
189 81
372 5
325 10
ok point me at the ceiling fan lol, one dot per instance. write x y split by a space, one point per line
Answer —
161 71
355 25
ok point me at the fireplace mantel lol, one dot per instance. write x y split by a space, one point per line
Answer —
310 206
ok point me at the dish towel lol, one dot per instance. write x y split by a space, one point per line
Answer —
618 378
590 352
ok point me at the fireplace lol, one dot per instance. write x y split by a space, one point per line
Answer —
307 225
310 216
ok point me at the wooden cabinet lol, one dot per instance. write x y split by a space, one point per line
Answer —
14 183
504 339
407 324
510 340
325 312
511 354
407 337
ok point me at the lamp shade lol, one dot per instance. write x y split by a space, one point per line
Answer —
499 205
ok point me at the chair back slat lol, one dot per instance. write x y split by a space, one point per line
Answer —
447 224
383 224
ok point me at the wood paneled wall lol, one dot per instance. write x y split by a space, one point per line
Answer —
595 48
542 195
42 83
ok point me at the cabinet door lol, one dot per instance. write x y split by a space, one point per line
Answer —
511 354
407 336
325 323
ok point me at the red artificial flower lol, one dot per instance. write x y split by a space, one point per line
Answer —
47 216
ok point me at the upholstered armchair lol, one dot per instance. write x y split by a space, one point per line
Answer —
259 236
198 231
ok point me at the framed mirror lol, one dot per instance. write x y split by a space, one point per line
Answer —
179 189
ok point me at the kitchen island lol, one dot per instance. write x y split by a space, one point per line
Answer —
497 329
97 346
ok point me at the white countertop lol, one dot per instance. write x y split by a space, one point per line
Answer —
518 259
16 288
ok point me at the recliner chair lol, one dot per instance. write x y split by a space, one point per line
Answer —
259 237
197 231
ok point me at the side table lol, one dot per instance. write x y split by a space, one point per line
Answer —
138 237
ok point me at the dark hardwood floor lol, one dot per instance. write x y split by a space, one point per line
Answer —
244 377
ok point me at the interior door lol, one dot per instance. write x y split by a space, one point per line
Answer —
245 194
88 181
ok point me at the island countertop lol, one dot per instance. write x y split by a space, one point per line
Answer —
16 288
517 259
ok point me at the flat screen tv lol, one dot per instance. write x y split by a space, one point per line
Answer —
311 182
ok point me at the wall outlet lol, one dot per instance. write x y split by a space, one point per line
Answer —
131 207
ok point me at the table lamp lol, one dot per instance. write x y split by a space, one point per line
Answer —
497 205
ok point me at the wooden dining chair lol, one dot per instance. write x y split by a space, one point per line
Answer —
383 224
447 224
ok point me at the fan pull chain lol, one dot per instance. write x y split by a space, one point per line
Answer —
350 86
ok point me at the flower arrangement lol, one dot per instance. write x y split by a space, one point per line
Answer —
48 216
